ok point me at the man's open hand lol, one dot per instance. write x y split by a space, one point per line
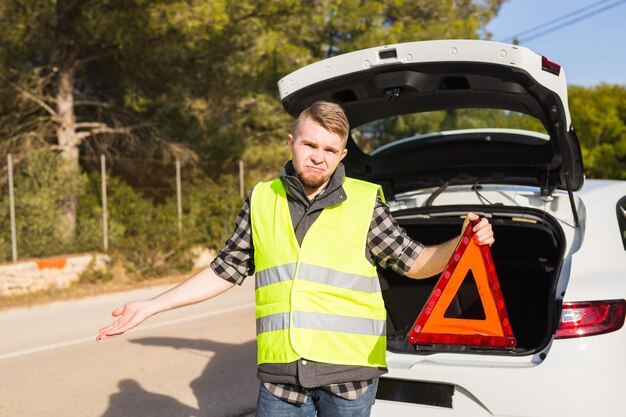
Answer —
129 316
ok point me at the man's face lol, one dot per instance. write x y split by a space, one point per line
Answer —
315 153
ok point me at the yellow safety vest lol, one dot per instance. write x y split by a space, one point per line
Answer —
321 301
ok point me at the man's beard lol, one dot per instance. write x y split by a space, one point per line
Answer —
313 181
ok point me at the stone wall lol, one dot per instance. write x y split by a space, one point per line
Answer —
41 274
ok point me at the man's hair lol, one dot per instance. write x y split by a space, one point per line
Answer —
328 115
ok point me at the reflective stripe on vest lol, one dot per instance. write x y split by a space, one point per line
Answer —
319 321
317 274
321 301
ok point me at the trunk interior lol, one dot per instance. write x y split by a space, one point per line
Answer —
527 257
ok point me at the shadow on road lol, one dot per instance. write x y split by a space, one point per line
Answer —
133 400
227 387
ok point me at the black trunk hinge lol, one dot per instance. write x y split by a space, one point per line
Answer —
571 199
548 183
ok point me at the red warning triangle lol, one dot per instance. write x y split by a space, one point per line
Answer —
434 324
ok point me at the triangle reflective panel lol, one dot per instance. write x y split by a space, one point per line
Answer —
466 306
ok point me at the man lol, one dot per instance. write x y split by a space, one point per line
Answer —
312 238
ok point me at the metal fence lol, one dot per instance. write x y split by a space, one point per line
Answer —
100 165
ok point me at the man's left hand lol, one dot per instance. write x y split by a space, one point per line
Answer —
483 233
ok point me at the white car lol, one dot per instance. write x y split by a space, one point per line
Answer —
452 126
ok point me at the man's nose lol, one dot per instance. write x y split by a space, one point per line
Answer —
316 157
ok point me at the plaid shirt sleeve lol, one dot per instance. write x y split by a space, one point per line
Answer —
235 261
388 243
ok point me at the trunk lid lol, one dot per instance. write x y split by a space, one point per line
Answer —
376 84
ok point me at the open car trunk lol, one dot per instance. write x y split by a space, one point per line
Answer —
451 113
527 257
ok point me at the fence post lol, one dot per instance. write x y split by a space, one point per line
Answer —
12 208
241 187
105 222
179 199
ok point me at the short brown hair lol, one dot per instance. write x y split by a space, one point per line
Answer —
329 115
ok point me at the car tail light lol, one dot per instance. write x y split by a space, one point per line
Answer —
549 66
590 318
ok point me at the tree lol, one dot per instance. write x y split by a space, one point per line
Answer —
262 42
62 49
599 115
158 77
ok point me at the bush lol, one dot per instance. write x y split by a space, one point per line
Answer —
143 234
93 274
40 185
210 209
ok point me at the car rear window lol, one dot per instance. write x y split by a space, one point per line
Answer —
381 133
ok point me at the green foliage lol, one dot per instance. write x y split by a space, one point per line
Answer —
379 132
210 209
93 275
89 233
146 238
40 185
599 116
158 79
144 234
203 74
264 161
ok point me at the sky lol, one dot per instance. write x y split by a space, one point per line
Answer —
590 46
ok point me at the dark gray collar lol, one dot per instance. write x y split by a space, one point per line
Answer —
331 195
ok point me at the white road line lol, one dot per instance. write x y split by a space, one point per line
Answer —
138 329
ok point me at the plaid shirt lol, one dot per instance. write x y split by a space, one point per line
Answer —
297 395
387 244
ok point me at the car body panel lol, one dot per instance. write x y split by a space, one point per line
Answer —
599 266
580 376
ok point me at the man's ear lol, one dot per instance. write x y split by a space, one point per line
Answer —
343 153
290 139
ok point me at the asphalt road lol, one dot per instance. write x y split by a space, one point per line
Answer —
195 361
